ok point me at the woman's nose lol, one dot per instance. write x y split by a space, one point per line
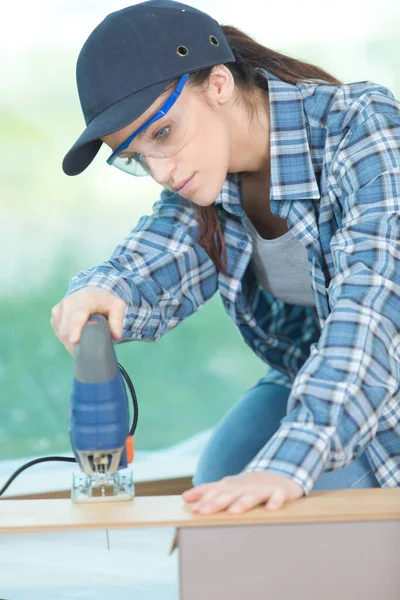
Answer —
160 169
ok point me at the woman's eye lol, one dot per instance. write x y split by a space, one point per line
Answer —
162 133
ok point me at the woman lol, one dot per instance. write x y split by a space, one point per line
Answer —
282 192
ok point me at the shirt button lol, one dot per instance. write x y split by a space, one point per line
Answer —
241 244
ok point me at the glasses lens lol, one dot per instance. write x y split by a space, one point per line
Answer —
162 139
133 165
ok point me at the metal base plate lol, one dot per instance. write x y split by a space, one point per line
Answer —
104 488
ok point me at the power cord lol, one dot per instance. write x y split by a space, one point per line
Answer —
73 459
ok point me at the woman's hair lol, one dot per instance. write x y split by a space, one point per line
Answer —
250 55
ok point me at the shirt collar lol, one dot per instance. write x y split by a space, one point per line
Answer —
292 173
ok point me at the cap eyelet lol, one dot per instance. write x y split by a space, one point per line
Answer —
214 40
182 51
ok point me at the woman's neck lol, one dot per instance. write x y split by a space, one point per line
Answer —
250 139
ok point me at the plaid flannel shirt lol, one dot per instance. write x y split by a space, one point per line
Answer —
335 178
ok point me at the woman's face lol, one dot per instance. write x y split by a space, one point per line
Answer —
201 118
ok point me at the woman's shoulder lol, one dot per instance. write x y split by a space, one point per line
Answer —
340 107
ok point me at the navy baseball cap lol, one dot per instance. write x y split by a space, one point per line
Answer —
128 61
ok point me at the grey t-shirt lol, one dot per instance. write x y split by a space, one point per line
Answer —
281 267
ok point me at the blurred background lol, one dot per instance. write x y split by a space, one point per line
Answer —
52 226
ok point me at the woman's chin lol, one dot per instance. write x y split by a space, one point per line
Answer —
203 202
203 197
204 194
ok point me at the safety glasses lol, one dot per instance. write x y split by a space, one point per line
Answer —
155 138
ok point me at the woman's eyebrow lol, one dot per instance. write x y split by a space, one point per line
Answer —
141 134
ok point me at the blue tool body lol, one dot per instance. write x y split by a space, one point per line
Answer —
99 413
99 417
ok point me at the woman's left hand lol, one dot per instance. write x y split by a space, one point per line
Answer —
239 493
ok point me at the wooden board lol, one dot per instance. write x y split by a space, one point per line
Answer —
159 487
375 504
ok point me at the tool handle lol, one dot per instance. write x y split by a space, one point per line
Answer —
94 358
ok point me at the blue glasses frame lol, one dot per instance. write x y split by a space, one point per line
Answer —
159 115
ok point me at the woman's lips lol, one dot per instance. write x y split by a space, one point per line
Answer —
185 188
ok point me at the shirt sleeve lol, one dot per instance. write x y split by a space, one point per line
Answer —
353 371
159 270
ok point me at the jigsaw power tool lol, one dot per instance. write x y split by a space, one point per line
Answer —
101 438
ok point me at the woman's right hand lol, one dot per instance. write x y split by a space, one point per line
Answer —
69 316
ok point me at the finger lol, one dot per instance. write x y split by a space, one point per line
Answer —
193 494
56 320
77 321
56 317
220 501
67 326
210 494
208 502
70 348
246 502
276 499
116 318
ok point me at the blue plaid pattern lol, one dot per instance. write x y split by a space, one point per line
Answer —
335 178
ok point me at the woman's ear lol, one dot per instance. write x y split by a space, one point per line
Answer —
221 85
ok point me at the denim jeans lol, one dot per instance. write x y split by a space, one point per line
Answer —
246 428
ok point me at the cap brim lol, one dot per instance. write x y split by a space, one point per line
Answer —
115 117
